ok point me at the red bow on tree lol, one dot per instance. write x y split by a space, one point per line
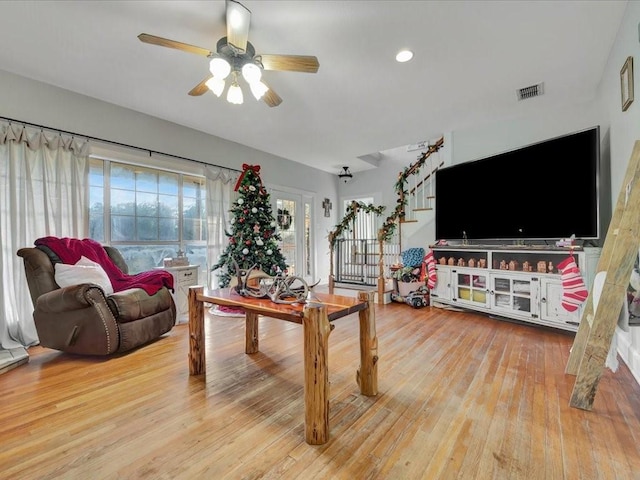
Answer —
245 168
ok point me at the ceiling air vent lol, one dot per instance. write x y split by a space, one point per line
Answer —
530 92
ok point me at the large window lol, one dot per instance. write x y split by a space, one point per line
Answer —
148 214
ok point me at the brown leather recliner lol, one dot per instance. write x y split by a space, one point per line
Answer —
81 319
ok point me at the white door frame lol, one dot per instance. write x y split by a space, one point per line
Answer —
303 203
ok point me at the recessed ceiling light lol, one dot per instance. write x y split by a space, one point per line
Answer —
404 55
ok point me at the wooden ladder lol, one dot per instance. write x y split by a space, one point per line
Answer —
619 252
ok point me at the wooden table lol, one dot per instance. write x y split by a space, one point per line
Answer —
314 316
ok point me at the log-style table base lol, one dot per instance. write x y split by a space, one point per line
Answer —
315 317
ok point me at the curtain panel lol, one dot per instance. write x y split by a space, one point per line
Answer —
43 191
220 196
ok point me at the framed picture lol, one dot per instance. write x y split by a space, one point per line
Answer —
626 83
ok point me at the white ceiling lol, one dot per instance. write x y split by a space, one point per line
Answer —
470 58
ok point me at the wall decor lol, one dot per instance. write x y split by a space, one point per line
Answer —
626 83
327 207
284 219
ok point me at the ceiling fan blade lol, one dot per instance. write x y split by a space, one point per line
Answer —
290 63
238 19
201 88
271 98
165 42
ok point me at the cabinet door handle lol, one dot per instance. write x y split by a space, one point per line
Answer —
543 300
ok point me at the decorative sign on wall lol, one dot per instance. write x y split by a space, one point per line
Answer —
327 207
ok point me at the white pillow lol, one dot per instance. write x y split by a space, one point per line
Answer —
84 271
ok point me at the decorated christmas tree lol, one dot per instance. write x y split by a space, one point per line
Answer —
253 240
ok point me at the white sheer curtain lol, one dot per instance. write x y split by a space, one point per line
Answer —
220 196
43 191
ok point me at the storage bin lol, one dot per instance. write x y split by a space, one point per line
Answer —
405 288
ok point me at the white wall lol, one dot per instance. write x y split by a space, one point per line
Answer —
513 133
624 132
37 103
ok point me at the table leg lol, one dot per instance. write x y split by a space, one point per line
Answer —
367 374
251 333
197 364
316 376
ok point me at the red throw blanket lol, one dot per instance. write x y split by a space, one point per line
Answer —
71 249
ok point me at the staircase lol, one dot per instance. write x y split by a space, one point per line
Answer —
418 193
356 257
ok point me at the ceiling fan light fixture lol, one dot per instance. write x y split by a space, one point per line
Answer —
235 55
234 95
216 85
251 73
219 67
258 89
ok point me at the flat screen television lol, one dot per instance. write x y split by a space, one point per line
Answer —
545 191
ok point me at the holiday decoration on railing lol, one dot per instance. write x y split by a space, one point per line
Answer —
389 226
350 217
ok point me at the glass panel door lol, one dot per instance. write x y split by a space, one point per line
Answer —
471 287
293 214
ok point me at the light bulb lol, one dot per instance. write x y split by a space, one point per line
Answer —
258 89
234 95
219 67
251 72
216 85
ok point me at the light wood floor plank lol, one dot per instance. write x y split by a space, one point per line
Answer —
461 396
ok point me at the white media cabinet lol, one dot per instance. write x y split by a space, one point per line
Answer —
511 281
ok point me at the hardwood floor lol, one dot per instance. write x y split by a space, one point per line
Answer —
461 396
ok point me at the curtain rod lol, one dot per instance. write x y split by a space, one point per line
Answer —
88 137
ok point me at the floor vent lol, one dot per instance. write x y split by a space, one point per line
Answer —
530 92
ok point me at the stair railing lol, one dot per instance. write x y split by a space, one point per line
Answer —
389 228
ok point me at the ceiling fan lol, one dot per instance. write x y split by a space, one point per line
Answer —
235 58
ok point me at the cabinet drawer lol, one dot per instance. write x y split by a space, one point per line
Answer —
186 277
